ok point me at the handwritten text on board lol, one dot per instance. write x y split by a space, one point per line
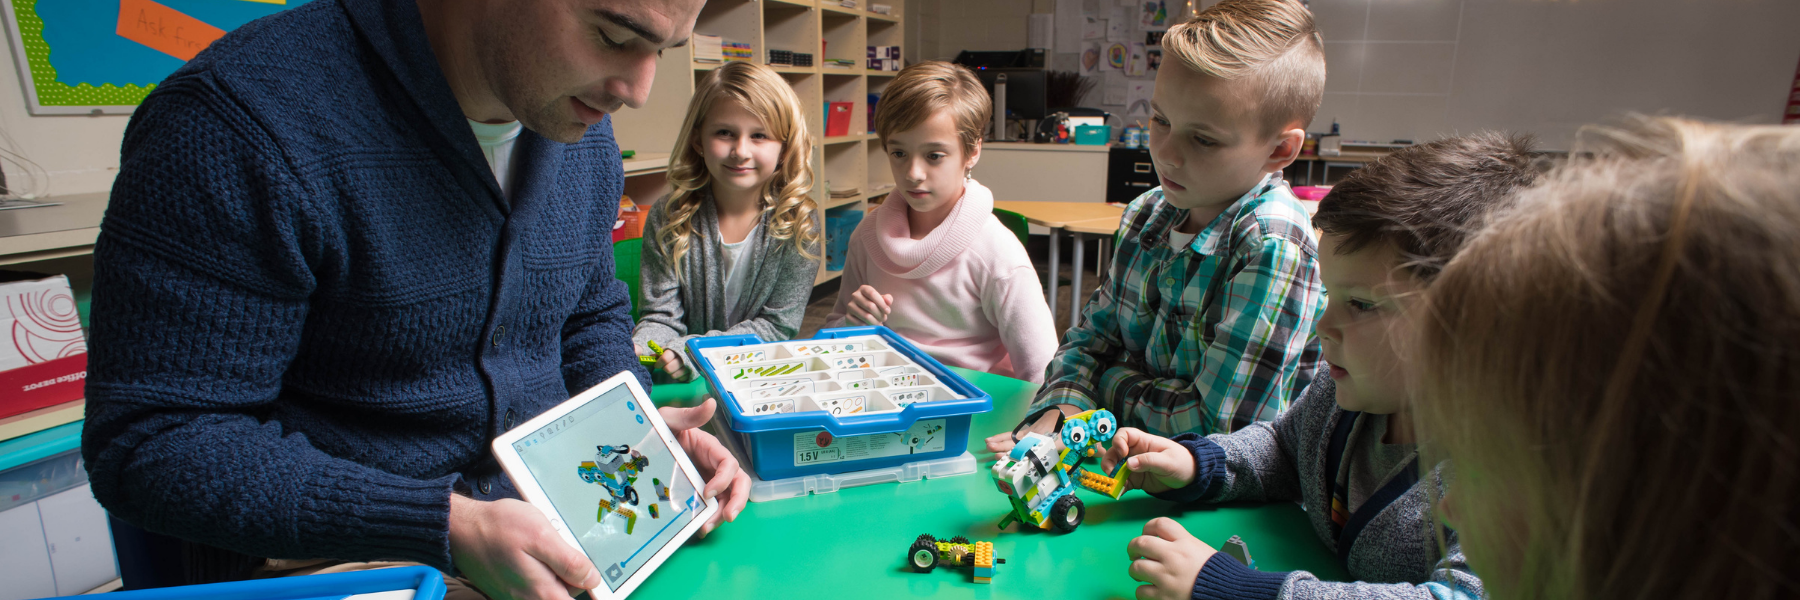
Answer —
165 29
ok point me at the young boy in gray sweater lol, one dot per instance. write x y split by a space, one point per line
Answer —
1345 449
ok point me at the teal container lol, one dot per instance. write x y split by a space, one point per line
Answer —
1093 135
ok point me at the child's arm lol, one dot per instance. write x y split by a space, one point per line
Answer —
1258 463
847 284
857 303
660 316
1261 342
1013 303
1090 347
1176 566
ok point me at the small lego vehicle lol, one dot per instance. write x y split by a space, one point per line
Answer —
616 468
1040 479
927 553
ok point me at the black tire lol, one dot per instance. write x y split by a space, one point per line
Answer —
923 556
631 496
959 540
1067 513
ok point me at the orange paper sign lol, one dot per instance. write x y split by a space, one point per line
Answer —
165 29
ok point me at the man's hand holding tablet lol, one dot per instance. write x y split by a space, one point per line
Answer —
511 549
724 476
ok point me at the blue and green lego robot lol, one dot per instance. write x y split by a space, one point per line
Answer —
1040 479
616 469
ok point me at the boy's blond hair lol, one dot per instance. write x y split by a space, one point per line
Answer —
924 89
1613 364
1274 41
763 93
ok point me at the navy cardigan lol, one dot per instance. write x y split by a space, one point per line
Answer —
313 309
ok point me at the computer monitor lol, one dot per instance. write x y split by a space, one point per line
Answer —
1024 91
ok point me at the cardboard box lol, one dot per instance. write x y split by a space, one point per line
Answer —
43 354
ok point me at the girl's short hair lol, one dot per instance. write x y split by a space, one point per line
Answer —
923 89
765 94
1612 366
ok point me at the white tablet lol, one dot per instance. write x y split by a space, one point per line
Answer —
609 474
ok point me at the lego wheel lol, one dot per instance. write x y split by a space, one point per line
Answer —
1067 513
924 554
631 496
959 540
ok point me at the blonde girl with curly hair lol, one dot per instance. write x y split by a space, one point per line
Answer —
734 248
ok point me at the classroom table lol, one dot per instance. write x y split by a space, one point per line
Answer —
1103 229
1056 216
853 543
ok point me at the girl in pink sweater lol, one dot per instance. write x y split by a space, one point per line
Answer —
932 263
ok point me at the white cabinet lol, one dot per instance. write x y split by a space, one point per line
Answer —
24 557
80 543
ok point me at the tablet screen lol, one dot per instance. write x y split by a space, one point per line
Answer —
613 482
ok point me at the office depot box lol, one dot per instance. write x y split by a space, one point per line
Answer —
43 355
849 399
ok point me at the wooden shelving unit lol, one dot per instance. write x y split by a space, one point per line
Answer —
822 28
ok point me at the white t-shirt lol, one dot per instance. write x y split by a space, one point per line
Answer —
497 144
737 269
1179 240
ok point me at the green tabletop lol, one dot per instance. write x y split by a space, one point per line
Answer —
852 543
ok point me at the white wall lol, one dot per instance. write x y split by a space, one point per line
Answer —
79 153
938 29
1424 69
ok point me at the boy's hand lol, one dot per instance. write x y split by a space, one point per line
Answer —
1158 464
870 306
1167 559
999 445
670 362
509 550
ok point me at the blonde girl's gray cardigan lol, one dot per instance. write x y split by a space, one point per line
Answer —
676 309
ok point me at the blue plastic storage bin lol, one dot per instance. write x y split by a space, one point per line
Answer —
425 582
933 424
838 227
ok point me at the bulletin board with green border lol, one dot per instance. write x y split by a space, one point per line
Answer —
105 56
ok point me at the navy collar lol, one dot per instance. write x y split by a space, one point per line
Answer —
396 32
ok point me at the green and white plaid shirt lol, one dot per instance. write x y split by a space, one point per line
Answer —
1209 338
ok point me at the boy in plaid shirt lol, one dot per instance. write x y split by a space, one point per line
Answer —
1204 321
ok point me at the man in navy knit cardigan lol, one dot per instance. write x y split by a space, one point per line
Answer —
318 298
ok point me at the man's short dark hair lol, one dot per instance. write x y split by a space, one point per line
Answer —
1427 199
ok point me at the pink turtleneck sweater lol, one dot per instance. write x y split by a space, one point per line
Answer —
966 294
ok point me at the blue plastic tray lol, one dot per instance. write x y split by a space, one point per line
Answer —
770 439
425 582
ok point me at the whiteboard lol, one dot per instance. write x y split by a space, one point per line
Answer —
1548 67
104 56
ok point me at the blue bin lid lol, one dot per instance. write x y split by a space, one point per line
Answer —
425 582
974 400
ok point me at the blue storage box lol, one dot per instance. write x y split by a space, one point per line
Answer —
839 224
848 399
425 583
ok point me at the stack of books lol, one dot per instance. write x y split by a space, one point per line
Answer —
708 48
738 51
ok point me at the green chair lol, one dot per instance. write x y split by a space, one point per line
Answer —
1015 222
627 260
